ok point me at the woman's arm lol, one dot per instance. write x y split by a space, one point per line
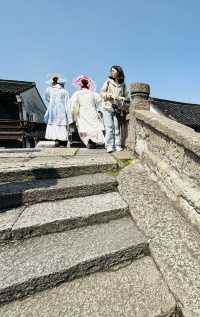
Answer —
104 91
68 108
75 107
98 102
125 94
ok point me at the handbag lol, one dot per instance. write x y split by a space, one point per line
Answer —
120 105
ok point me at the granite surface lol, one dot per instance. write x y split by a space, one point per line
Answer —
134 290
62 215
174 244
42 262
31 192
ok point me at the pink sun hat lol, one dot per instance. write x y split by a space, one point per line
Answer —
77 82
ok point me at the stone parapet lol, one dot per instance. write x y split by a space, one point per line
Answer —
171 152
181 134
139 93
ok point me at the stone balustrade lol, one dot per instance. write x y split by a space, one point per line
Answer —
170 151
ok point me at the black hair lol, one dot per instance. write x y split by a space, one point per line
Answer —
121 75
85 83
55 80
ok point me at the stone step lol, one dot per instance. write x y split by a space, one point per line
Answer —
174 243
38 263
55 167
19 150
30 192
135 289
62 215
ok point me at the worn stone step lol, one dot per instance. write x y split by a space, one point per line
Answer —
174 244
50 217
35 264
55 167
30 192
134 289
18 150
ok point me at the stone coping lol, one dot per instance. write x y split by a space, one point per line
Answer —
179 133
19 150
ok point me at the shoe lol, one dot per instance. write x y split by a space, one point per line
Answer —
88 146
118 148
63 143
91 144
109 149
57 143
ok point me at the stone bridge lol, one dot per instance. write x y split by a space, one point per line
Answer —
86 233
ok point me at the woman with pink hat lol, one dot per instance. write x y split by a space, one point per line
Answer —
86 107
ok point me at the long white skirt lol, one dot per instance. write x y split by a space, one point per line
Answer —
56 132
90 127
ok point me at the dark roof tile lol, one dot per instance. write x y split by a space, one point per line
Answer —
185 113
15 86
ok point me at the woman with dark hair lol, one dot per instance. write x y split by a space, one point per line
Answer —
114 93
58 114
85 107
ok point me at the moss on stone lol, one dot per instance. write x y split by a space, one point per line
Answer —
113 173
28 178
122 163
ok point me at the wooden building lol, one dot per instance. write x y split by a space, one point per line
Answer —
21 114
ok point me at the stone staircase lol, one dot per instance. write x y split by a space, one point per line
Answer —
62 219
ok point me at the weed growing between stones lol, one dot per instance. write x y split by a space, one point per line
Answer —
122 163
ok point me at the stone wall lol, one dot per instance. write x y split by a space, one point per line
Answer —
171 153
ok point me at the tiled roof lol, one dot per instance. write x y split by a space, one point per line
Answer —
185 113
15 86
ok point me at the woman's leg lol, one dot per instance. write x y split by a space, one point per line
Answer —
109 128
117 135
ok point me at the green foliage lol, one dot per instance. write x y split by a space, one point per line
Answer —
121 164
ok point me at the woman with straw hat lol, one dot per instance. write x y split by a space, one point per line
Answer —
58 114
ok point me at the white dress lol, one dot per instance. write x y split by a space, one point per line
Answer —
58 114
85 105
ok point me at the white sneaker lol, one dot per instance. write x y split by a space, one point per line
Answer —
109 149
118 148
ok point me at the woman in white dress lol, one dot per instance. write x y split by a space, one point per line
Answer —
86 107
58 114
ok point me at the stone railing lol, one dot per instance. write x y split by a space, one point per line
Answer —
170 151
139 101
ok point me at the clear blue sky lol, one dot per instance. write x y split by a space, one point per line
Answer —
156 41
